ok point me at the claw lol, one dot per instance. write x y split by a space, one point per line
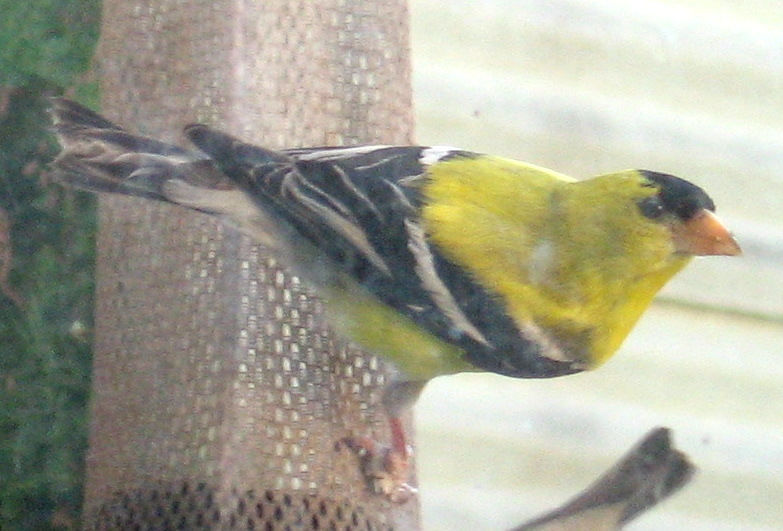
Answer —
385 468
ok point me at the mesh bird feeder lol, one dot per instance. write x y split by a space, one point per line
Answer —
220 396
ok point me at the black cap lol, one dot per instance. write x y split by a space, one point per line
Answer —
676 196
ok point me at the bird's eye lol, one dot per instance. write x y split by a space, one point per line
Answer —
651 207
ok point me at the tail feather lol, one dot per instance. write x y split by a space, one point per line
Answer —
66 112
78 171
100 156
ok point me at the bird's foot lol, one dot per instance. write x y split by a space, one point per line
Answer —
386 468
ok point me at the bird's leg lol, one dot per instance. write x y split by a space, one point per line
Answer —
387 469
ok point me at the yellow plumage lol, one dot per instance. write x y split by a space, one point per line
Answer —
576 258
355 313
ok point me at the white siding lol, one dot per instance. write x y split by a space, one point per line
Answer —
693 88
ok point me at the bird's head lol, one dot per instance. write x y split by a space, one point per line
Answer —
688 212
646 213
634 231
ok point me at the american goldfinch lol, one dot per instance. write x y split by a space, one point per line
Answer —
437 259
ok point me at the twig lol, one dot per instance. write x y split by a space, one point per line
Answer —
649 473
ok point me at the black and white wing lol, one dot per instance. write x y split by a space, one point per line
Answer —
360 207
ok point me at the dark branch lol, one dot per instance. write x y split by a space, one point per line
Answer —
649 473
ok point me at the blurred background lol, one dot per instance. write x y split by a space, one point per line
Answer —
583 87
693 88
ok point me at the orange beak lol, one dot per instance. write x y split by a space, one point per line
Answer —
703 235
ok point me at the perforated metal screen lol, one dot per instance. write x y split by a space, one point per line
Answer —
219 394
197 506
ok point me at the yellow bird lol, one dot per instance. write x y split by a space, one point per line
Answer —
437 259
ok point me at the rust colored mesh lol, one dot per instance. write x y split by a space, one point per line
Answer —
216 379
197 506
